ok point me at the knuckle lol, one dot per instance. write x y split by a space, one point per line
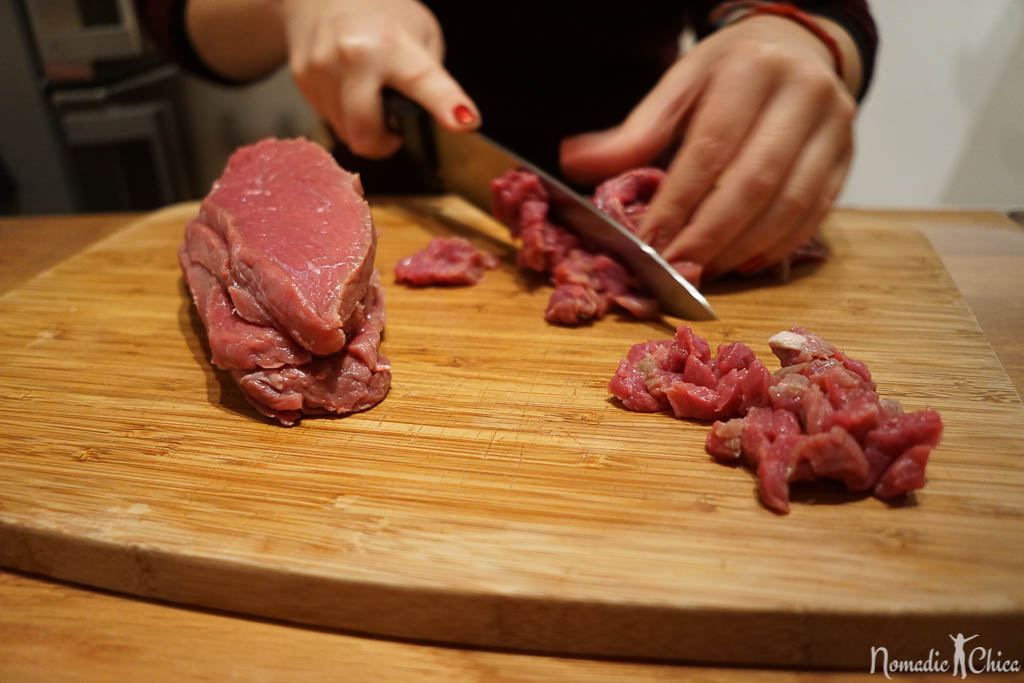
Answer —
846 110
793 204
710 153
766 56
758 186
352 50
818 84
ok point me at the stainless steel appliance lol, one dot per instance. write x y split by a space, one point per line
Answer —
115 104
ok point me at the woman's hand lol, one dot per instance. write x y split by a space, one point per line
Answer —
767 139
342 53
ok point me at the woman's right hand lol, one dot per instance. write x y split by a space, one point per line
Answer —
343 53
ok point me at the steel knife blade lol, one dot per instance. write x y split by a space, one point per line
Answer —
466 163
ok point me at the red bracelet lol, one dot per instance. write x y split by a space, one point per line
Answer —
789 11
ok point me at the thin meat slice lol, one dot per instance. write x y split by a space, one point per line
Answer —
353 379
818 417
235 343
299 237
445 261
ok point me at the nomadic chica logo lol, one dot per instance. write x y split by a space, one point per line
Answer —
976 660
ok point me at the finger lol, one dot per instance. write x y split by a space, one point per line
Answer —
318 87
725 115
652 125
362 126
419 75
813 219
827 154
792 127
315 72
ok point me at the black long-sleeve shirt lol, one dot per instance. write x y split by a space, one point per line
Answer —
538 70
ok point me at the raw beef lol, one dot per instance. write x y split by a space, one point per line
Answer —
299 239
586 284
818 417
626 197
520 201
279 262
445 261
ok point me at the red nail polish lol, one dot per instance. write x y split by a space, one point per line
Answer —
752 266
464 114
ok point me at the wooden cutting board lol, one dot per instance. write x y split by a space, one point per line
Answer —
497 497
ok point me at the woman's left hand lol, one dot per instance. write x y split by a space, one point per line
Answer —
767 140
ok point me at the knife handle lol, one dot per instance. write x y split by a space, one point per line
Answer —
415 125
401 114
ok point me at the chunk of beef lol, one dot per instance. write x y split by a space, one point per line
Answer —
445 261
520 200
587 284
280 265
299 237
625 198
818 417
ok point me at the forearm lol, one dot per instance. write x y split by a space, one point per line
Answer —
240 40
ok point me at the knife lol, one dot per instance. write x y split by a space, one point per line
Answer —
465 164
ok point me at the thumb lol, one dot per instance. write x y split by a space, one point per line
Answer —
651 126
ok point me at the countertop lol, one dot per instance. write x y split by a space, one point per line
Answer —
56 631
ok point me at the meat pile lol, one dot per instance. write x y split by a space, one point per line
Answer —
818 417
279 262
445 261
588 284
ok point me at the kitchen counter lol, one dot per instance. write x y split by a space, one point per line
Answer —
56 631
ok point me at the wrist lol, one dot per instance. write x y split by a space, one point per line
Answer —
834 44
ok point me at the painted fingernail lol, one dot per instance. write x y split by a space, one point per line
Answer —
464 114
752 266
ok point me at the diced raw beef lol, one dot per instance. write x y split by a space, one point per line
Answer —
445 261
625 198
587 284
520 201
280 265
818 417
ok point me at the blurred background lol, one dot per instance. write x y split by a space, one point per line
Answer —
93 121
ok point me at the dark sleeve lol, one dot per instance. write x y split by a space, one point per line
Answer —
853 15
164 23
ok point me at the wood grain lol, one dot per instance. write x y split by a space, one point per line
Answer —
497 497
31 245
124 637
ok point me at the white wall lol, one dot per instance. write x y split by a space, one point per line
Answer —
943 124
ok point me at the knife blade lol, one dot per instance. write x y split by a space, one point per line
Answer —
465 164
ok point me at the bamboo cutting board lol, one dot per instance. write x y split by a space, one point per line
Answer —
497 497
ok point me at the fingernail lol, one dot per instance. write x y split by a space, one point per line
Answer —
752 266
464 114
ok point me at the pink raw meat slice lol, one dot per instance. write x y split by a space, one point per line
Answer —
299 237
445 261
264 304
235 344
355 378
